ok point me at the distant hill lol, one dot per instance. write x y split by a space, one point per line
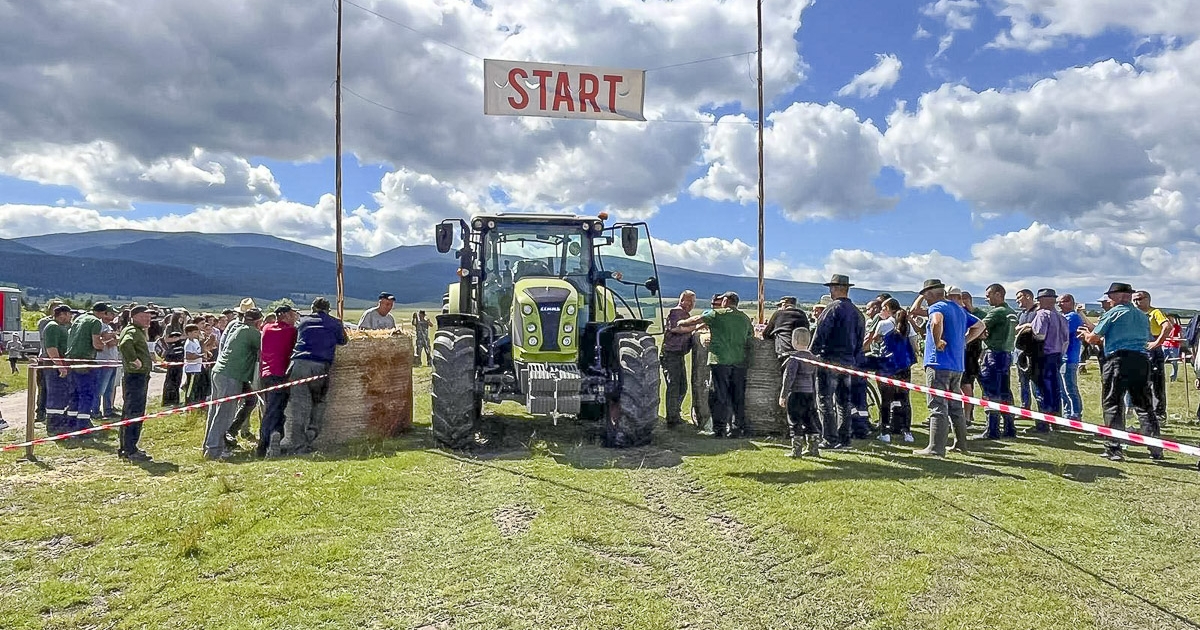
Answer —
135 262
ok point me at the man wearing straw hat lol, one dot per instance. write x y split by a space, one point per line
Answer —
837 339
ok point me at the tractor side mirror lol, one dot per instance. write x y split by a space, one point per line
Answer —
629 239
444 237
652 286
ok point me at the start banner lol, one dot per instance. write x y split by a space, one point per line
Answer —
526 88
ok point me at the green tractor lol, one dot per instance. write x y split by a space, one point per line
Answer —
543 314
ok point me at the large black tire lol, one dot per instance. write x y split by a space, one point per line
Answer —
634 412
456 407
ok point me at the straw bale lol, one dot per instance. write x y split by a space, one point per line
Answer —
764 379
370 388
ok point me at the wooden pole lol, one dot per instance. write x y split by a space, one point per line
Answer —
30 410
761 193
337 178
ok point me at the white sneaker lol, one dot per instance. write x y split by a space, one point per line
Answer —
885 438
3 424
908 438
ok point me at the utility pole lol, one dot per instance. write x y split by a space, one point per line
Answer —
761 194
337 177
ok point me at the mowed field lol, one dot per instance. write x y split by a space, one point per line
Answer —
546 529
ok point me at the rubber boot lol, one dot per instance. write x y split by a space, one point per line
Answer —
797 446
812 441
993 429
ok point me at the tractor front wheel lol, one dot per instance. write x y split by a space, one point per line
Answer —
633 413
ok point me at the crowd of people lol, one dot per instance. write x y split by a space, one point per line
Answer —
205 357
958 345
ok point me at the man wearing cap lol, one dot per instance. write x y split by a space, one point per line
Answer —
57 384
675 347
702 373
783 321
1025 382
838 339
278 343
421 326
135 383
41 374
950 329
731 330
317 337
1160 331
235 368
1125 332
380 317
82 343
1050 328
995 374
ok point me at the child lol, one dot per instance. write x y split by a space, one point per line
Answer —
193 356
798 395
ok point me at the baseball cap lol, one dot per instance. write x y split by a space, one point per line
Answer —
283 308
252 315
101 307
62 308
386 296
139 309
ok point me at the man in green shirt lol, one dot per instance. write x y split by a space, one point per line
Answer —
82 343
731 330
235 368
58 387
1000 326
137 363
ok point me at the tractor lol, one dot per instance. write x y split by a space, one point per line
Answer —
544 313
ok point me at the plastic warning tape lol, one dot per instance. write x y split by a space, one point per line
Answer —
88 364
1020 411
160 414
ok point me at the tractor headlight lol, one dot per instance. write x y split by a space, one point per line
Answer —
568 328
479 225
531 328
491 225
566 341
570 310
527 309
532 341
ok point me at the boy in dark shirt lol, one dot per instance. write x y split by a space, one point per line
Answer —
798 396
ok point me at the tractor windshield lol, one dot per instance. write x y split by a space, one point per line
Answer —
512 252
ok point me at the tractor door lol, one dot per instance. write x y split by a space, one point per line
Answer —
625 261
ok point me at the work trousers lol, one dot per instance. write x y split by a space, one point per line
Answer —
305 412
272 415
833 403
12 363
221 415
1049 388
675 374
245 408
199 386
728 400
895 408
995 377
422 346
40 377
134 389
58 398
1128 372
943 412
1158 383
1072 401
84 398
802 414
171 386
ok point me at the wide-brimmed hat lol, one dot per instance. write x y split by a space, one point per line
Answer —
1046 293
1119 287
932 283
953 290
825 301
247 304
839 280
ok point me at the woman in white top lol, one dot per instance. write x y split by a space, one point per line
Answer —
895 408
193 358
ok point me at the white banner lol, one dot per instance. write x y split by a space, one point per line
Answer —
527 88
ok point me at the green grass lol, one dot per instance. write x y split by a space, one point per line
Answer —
549 530
10 382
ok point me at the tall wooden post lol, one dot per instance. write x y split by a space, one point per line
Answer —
337 178
30 409
761 193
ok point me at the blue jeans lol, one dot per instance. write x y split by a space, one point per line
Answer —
106 388
995 377
1172 355
1072 402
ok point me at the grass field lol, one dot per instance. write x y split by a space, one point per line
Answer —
549 530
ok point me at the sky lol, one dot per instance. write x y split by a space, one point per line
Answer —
1035 143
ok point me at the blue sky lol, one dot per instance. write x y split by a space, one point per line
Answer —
1036 142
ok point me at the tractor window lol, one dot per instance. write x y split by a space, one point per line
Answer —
632 297
523 250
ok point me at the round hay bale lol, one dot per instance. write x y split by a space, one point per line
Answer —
701 375
370 388
764 379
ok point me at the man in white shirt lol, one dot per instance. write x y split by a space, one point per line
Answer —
379 318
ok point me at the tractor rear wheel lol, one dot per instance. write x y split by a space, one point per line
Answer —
456 401
634 412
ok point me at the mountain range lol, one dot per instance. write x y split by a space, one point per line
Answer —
162 265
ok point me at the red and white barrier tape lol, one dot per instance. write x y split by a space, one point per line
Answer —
160 414
89 364
1136 438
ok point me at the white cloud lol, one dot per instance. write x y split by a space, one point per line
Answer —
821 163
958 15
708 254
1036 25
882 76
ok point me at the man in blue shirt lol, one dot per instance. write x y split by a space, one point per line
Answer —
1072 401
317 337
838 340
1125 332
949 330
